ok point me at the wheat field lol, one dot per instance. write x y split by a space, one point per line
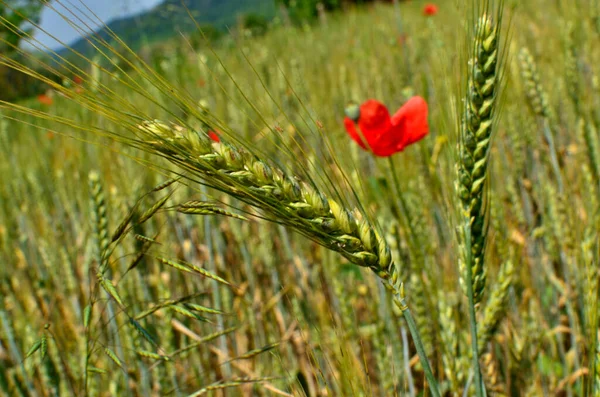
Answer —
197 221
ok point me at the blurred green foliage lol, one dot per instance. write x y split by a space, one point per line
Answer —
16 14
302 11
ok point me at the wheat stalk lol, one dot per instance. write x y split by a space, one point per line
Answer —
473 155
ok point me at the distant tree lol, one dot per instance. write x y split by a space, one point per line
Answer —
304 10
199 36
300 11
256 24
18 14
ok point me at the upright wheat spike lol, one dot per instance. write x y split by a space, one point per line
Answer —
571 67
99 218
494 310
538 101
536 96
449 340
492 376
596 380
474 148
588 135
472 164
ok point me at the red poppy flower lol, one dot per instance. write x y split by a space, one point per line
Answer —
384 135
78 80
213 135
430 10
45 99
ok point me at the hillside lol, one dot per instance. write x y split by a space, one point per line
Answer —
172 17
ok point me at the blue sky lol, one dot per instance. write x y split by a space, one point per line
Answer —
105 10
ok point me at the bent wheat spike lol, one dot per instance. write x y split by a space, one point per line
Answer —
237 172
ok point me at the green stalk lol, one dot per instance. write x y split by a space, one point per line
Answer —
553 159
414 333
479 389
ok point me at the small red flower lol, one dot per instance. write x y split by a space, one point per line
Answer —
77 80
45 99
384 135
213 135
430 10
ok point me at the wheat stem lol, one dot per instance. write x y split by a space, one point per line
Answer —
479 387
400 301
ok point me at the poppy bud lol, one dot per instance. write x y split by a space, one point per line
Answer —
352 111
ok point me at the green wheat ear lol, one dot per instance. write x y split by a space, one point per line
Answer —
239 173
99 217
474 145
536 96
496 306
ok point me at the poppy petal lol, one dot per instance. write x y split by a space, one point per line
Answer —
374 120
351 129
411 118
388 142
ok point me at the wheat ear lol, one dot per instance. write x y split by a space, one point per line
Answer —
474 147
473 151
237 172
